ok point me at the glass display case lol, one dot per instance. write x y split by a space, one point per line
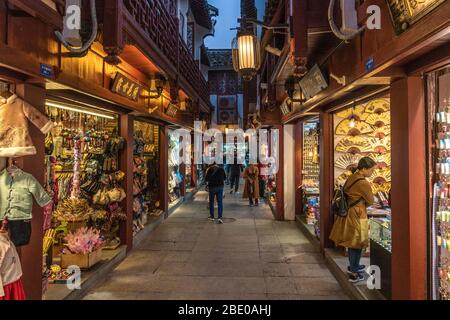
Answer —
380 252
380 232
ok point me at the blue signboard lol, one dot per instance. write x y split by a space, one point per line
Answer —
370 64
46 71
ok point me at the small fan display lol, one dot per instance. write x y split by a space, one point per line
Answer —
357 112
380 145
347 161
364 130
384 187
381 132
383 160
342 178
345 128
377 106
357 144
381 176
379 119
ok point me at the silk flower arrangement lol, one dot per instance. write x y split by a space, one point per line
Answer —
84 241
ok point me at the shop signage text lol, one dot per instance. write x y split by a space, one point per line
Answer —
285 108
313 82
370 64
171 110
46 71
126 87
404 13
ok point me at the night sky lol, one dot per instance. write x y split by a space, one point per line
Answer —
229 11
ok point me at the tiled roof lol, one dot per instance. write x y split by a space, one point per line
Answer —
200 9
220 58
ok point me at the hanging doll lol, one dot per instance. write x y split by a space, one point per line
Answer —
11 287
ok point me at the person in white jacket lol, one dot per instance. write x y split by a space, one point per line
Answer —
11 287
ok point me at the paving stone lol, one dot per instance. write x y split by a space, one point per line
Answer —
188 257
280 285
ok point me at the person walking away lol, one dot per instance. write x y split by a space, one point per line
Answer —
235 174
262 177
215 177
352 231
251 189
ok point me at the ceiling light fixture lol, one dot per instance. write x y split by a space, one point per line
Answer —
76 109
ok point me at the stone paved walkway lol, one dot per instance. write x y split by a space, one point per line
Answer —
253 257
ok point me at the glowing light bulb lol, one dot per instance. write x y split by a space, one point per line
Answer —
352 123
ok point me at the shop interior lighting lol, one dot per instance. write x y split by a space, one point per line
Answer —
76 109
352 123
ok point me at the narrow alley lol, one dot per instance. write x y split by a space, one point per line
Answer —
250 256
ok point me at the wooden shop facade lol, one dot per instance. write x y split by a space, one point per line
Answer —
378 94
138 78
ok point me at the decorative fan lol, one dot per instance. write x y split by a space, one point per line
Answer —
383 160
379 119
352 128
381 176
347 161
384 187
357 112
380 146
342 178
357 144
378 106
381 132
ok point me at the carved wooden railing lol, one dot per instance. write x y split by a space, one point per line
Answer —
155 19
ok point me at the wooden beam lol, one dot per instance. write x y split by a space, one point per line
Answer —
425 33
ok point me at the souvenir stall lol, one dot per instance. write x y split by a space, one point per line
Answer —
310 174
175 178
83 175
362 130
146 163
19 120
438 85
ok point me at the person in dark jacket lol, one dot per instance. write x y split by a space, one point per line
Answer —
235 174
215 177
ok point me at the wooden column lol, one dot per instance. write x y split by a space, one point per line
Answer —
31 255
326 178
163 169
126 165
298 167
280 175
409 200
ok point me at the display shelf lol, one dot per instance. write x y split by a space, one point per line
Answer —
380 232
438 84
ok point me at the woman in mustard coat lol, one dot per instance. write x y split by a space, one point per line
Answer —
251 188
352 231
